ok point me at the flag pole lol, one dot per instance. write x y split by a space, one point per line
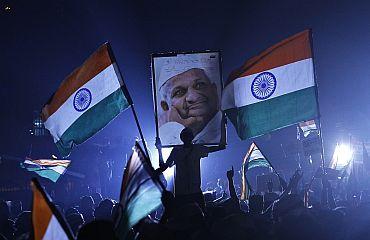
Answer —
152 171
127 95
157 139
36 186
317 103
140 131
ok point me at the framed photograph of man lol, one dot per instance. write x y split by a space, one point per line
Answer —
187 94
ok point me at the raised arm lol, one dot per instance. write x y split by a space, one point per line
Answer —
216 148
230 175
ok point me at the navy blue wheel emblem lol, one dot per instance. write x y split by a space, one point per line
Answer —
82 99
263 86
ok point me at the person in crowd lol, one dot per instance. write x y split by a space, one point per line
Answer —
6 223
187 160
86 208
104 210
97 198
269 197
15 208
231 205
75 221
23 225
220 188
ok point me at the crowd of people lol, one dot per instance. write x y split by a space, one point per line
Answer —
271 215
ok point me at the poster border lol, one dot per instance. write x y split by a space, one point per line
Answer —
223 140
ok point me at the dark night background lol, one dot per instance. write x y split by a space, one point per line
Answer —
41 42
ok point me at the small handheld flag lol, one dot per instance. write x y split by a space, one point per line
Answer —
47 168
47 222
308 127
140 192
253 158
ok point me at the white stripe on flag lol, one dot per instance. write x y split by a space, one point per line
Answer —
101 86
54 230
256 154
290 78
31 163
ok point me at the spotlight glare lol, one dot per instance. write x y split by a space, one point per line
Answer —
166 153
168 174
342 155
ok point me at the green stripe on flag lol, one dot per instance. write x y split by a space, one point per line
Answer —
92 121
143 203
265 116
258 163
46 173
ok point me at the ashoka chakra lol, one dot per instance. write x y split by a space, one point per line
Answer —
82 99
263 86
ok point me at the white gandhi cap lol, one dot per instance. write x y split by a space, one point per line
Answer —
168 67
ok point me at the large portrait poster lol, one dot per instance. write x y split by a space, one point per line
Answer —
187 93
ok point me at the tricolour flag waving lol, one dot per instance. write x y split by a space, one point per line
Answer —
274 89
308 127
140 192
86 101
253 158
47 222
47 168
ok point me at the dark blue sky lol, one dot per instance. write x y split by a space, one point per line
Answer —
43 41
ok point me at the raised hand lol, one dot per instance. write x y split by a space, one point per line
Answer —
230 173
194 123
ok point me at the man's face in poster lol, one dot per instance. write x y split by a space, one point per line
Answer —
190 98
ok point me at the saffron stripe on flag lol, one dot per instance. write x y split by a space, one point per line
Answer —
92 121
101 86
47 222
95 64
292 49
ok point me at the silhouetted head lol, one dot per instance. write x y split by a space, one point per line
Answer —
75 220
104 210
186 136
72 210
97 198
87 202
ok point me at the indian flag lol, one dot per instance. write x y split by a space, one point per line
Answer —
274 89
140 192
47 168
86 101
308 127
47 222
253 158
